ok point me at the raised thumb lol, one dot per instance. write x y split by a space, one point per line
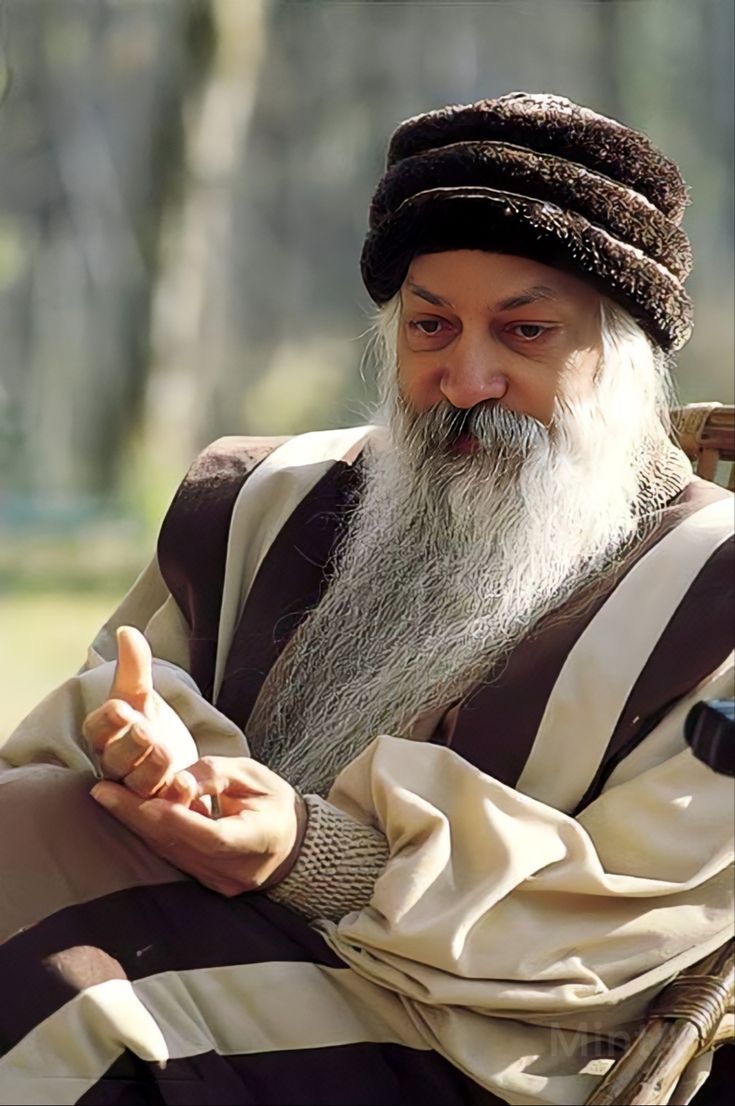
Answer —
133 680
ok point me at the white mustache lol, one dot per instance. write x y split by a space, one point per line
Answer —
498 432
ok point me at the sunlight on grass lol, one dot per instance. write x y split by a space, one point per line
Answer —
44 640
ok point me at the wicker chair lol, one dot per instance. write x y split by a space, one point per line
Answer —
694 1013
706 433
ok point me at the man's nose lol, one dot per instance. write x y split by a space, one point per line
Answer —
472 375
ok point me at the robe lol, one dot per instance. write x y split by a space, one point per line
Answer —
557 851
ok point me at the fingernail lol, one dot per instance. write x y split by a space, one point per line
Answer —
103 795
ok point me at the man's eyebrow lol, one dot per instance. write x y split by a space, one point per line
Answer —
425 294
529 295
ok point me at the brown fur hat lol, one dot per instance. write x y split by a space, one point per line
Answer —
537 176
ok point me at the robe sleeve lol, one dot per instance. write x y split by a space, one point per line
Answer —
491 902
52 732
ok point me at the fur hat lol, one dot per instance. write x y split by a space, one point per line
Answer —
540 177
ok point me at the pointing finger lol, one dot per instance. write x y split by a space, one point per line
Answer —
133 680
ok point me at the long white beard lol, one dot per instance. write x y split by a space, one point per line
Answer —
449 562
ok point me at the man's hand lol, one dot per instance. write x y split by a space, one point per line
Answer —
137 737
253 844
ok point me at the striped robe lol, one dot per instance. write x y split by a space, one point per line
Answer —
556 851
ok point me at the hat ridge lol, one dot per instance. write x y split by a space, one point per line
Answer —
552 124
622 211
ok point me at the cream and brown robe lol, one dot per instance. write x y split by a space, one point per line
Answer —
546 854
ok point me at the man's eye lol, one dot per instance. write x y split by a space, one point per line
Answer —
429 328
529 331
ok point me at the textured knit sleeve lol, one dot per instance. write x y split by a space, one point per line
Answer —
339 862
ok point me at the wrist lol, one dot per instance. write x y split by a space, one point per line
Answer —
299 826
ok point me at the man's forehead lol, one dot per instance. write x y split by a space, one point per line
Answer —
518 299
502 281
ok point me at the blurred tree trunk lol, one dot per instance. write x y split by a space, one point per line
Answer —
194 302
93 138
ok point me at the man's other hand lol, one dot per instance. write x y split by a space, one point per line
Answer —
253 843
139 740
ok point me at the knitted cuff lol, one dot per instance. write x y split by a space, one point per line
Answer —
339 862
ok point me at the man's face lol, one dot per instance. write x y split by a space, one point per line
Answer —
478 326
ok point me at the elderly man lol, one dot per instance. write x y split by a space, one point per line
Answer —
422 683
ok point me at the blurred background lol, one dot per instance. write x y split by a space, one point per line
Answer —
183 197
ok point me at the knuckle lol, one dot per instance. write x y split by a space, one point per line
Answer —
157 758
116 751
117 760
145 783
95 726
209 773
